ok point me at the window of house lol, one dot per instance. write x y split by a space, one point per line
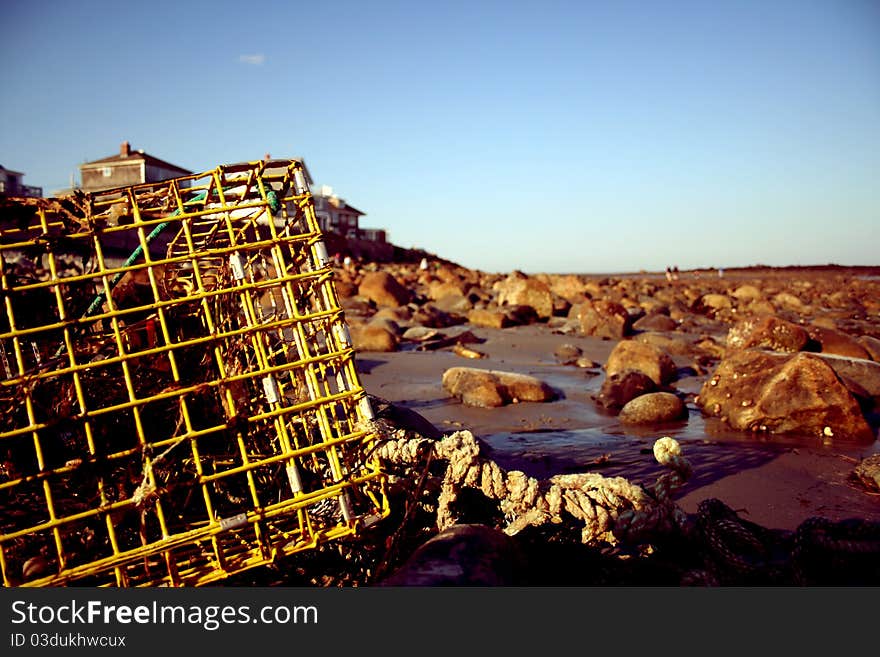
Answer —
106 171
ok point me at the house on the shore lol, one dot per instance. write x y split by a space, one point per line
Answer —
11 185
127 167
336 215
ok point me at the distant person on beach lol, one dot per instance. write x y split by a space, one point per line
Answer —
668 273
423 265
675 273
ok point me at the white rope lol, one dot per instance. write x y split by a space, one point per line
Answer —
610 508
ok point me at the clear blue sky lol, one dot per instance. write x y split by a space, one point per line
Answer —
541 136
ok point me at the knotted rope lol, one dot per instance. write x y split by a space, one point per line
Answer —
610 508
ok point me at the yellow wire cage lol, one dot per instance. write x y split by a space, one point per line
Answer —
178 393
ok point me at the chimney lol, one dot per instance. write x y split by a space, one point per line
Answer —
125 149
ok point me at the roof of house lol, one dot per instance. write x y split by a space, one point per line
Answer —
17 173
338 204
136 156
346 206
127 155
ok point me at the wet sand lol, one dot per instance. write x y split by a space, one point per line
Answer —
777 482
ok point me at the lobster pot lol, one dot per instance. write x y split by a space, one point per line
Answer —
178 393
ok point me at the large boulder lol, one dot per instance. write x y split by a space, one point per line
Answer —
492 388
383 289
652 408
523 291
758 391
641 357
767 332
602 318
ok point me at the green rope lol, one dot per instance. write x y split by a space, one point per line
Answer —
135 255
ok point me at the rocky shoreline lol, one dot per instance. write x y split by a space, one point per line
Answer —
769 379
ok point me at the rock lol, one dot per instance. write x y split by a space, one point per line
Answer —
568 354
623 387
760 307
768 332
389 324
653 407
709 347
357 306
400 315
520 315
867 473
478 296
345 288
653 306
603 319
373 337
400 417
431 316
716 302
439 289
454 304
655 322
671 344
825 322
568 286
866 373
517 290
678 311
561 306
871 345
467 352
746 294
420 333
463 555
788 301
491 388
383 289
488 318
837 342
758 391
641 357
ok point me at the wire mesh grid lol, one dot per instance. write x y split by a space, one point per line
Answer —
178 393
